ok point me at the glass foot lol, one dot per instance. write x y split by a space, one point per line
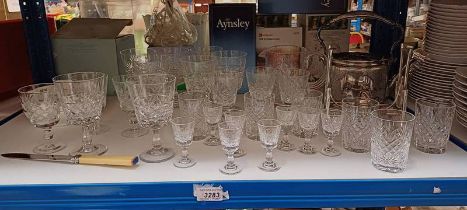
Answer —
285 146
269 166
212 142
134 133
184 162
230 169
307 149
93 149
157 155
430 150
199 138
330 151
387 168
239 153
49 148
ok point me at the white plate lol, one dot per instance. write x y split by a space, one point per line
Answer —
424 88
462 122
448 32
450 4
433 13
462 74
461 85
435 41
454 23
421 55
431 81
431 75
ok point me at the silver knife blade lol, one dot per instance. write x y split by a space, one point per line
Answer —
54 158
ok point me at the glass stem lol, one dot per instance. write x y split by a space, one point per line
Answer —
286 135
212 130
87 138
184 153
156 139
330 142
269 155
132 120
48 135
230 159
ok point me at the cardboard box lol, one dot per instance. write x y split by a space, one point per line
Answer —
92 44
270 37
233 27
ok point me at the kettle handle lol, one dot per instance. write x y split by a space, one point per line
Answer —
363 14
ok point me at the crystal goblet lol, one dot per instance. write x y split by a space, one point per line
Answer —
309 121
230 134
286 116
237 116
260 81
269 130
41 107
331 122
233 61
213 115
312 99
191 105
183 128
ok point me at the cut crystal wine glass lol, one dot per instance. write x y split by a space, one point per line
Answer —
126 105
309 121
152 96
237 116
213 115
286 116
292 84
261 81
140 62
269 131
232 61
255 110
230 134
183 128
224 91
331 121
41 107
312 99
81 98
98 127
191 105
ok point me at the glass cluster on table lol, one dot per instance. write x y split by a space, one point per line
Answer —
208 112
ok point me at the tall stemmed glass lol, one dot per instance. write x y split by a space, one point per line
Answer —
269 131
213 114
183 128
261 81
309 121
230 133
126 105
286 116
191 105
81 98
312 99
98 127
224 91
198 72
292 84
237 116
232 61
152 96
41 107
331 122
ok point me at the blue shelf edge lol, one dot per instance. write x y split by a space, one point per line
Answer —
243 194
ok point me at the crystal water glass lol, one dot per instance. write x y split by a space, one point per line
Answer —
261 81
183 128
286 116
356 132
213 115
139 62
433 122
224 91
391 133
152 96
126 105
331 122
269 131
230 134
237 116
191 105
292 84
308 118
312 99
257 109
233 61
41 107
81 98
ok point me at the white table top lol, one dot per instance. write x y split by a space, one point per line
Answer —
19 135
9 107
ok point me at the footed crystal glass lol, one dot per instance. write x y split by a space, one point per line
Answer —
230 134
213 115
191 104
309 121
286 116
331 122
261 81
237 116
269 131
183 128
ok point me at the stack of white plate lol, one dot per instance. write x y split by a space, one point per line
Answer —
460 95
446 30
431 78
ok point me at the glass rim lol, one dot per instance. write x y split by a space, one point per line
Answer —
57 79
122 52
33 87
433 101
371 102
282 108
171 78
190 120
199 58
248 95
235 126
227 54
200 93
301 108
412 117
333 110
260 123
230 111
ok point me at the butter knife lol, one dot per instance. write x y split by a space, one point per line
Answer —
78 159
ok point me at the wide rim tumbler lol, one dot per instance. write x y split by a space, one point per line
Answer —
213 115
191 104
391 133
308 118
331 122
183 128
238 116
81 99
356 132
433 122
139 63
41 107
126 105
152 96
230 134
286 116
269 131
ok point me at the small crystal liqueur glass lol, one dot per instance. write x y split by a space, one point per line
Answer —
81 98
237 116
152 96
191 105
183 128
41 107
213 115
309 121
331 121
286 115
230 134
269 131
391 133
433 122
126 105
